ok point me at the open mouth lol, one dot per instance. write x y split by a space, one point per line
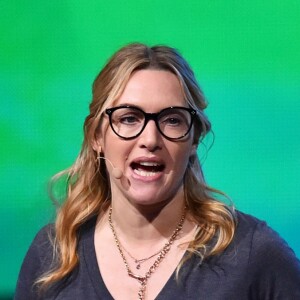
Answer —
147 168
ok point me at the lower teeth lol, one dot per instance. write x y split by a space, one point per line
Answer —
144 173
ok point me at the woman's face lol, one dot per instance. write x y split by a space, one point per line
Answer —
153 167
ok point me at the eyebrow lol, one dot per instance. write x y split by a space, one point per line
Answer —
129 104
138 107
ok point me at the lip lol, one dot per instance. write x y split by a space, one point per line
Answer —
149 175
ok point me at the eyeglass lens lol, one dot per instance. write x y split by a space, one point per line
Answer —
129 122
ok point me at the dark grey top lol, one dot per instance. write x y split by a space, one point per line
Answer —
257 265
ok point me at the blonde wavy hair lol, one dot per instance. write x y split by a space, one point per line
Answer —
88 187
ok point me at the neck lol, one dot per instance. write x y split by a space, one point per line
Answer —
141 224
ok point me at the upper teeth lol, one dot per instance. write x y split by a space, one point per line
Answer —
149 164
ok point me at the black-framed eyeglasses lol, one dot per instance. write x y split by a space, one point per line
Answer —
173 123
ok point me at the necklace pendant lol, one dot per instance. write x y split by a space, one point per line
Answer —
138 266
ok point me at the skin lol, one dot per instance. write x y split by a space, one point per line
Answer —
152 91
146 209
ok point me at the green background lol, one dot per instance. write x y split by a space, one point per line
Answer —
246 55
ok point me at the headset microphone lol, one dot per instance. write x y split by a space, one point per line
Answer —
116 172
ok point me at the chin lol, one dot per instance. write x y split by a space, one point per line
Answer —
151 194
148 200
144 201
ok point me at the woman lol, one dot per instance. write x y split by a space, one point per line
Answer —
139 221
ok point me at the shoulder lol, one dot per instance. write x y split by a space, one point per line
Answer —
247 223
272 266
43 241
44 236
261 239
260 236
37 261
41 247
41 258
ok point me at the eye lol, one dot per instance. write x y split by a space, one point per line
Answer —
172 120
128 117
129 120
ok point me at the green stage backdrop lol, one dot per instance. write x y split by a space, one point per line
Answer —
246 55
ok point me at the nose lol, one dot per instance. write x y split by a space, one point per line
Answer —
150 138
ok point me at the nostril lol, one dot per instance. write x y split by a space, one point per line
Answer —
151 148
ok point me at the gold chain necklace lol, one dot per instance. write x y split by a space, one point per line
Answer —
143 280
138 262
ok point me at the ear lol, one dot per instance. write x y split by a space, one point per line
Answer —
97 145
194 149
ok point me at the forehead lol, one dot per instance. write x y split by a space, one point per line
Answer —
152 90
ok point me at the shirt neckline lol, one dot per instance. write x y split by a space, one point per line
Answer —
90 260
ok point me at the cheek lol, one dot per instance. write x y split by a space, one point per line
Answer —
117 150
182 156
